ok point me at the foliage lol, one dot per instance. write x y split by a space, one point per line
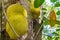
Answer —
58 12
53 1
51 22
57 4
38 3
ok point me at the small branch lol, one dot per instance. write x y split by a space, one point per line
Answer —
40 21
40 28
41 14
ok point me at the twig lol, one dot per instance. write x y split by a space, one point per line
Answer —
8 20
40 28
41 23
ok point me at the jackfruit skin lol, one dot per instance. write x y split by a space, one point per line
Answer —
16 9
35 11
16 15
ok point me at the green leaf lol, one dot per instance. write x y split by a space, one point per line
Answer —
46 21
58 13
44 18
58 32
55 33
56 38
38 3
53 1
58 26
44 13
49 38
57 29
57 22
44 9
57 4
